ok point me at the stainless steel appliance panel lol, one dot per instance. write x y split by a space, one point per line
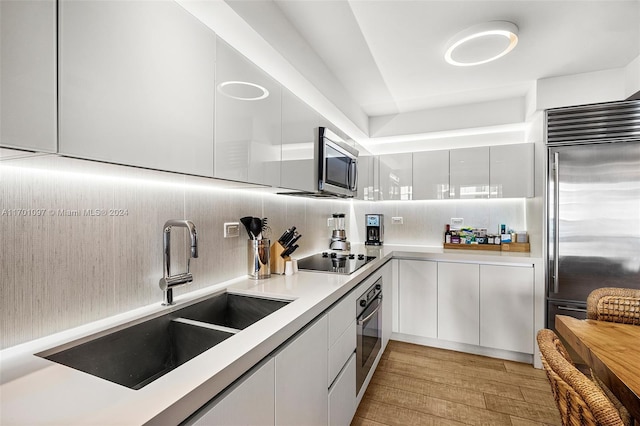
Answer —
594 219
369 331
337 166
575 310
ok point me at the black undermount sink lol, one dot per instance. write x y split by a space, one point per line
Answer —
139 354
232 310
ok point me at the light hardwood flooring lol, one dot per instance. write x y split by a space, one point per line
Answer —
418 385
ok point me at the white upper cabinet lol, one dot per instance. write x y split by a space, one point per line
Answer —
511 171
431 175
396 180
300 126
136 85
367 185
28 74
248 120
469 172
501 171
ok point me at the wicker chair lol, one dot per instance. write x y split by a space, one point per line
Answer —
580 401
615 305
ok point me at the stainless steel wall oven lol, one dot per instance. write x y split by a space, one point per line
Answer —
369 326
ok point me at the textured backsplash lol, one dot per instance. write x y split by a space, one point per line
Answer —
82 240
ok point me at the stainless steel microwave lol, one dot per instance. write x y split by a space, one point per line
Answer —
337 165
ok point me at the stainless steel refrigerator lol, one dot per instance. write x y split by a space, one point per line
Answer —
593 203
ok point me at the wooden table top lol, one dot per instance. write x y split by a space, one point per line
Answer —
612 351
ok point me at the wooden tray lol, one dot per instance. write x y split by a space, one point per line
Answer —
516 247
485 247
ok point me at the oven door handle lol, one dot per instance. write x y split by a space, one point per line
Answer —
375 311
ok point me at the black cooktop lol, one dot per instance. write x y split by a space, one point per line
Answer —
334 262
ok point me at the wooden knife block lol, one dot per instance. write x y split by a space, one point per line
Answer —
277 262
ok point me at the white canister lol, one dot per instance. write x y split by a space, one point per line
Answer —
288 268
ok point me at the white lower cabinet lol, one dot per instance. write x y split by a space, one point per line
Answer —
289 388
254 391
459 302
506 307
387 303
340 352
418 298
491 306
341 334
310 379
301 396
342 395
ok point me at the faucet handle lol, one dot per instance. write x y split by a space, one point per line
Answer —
194 245
175 280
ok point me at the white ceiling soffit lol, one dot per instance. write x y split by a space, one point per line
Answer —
371 65
389 53
463 138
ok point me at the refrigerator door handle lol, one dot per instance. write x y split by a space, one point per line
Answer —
571 309
556 221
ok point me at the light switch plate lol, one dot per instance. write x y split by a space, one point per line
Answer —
231 229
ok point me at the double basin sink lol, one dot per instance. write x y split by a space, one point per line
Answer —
139 354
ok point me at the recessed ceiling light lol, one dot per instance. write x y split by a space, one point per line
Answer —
243 90
482 43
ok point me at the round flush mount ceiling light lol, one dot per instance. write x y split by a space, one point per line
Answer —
482 43
243 90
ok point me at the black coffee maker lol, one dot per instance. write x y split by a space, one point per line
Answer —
375 229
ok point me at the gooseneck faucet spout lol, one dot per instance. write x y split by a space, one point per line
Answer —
168 281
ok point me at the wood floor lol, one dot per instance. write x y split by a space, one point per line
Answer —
418 385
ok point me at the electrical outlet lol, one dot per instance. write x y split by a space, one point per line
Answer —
231 229
329 222
397 220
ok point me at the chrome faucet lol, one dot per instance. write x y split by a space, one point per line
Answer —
168 281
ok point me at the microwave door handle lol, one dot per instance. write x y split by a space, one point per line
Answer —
353 175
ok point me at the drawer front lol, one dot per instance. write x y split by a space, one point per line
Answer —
340 352
341 315
342 395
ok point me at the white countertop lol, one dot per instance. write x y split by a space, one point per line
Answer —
34 390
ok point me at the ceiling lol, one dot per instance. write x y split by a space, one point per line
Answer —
388 54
